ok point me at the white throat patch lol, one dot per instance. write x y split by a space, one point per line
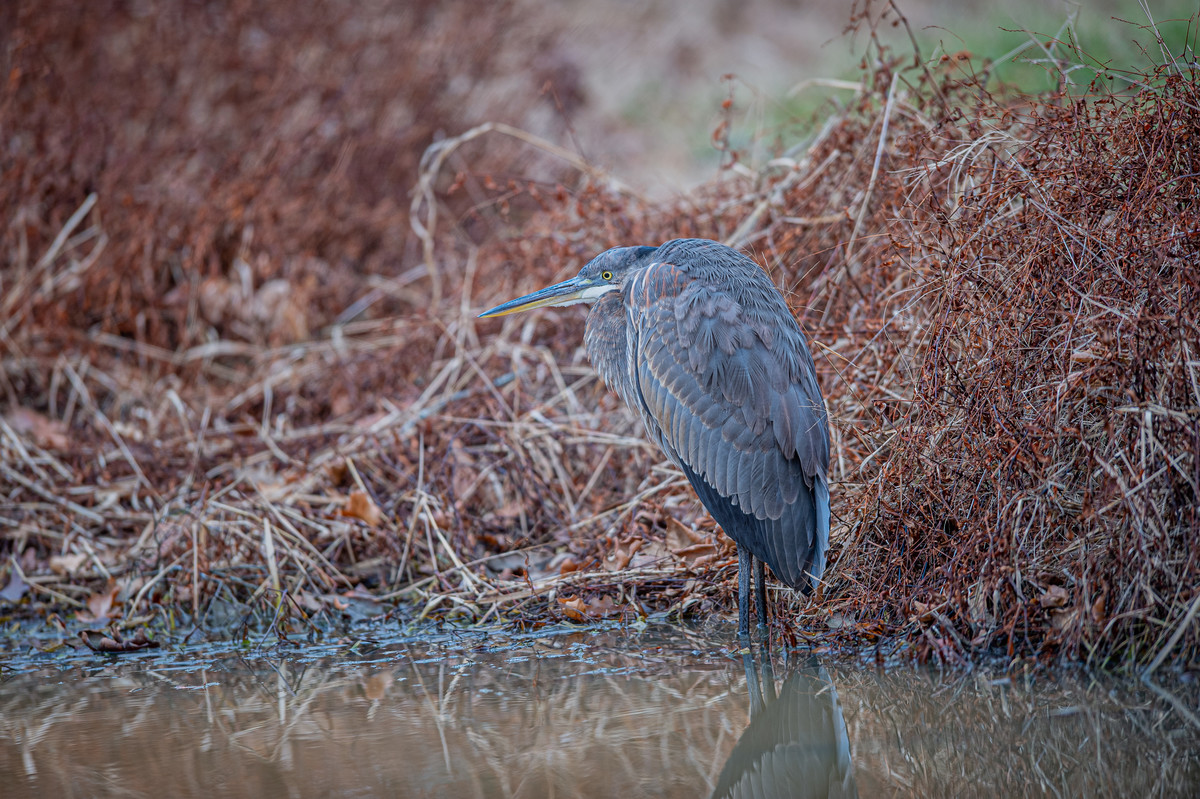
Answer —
593 293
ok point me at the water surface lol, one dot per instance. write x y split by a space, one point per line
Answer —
568 713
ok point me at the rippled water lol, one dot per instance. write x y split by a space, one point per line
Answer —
567 713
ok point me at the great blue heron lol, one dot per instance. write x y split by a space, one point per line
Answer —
697 339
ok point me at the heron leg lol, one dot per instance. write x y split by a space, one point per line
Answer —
768 674
745 561
760 597
756 694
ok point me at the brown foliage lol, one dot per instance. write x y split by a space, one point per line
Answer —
1001 292
234 145
1046 442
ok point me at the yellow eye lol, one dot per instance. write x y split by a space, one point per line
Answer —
606 275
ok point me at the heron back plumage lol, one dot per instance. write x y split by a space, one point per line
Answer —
701 343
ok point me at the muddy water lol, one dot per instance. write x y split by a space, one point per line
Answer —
598 713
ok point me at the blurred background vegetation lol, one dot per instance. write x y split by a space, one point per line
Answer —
655 73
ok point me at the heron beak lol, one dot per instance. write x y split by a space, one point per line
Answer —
567 292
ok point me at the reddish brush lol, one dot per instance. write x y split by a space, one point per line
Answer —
1003 295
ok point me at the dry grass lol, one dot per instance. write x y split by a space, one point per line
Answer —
1001 292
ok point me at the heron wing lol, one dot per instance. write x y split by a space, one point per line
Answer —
728 389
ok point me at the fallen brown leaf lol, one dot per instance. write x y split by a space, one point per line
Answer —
335 600
1055 597
100 605
361 506
573 608
924 612
67 564
602 607
1098 610
306 600
114 643
45 432
576 609
697 553
621 554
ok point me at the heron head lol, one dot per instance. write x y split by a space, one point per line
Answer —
602 274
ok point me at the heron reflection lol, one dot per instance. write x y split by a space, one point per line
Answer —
797 744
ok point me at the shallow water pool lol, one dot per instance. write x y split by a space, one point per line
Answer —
570 713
